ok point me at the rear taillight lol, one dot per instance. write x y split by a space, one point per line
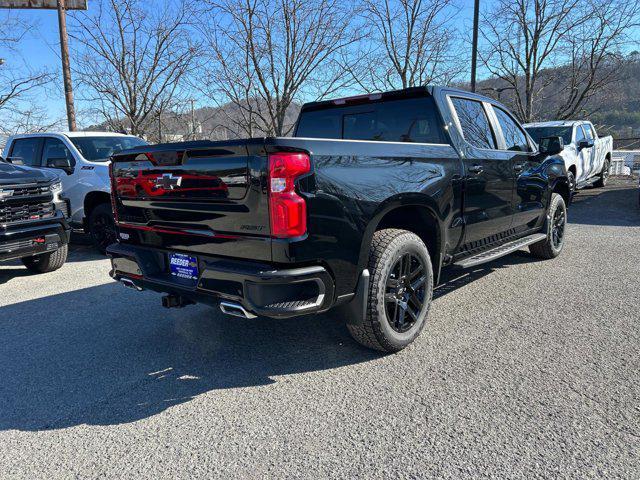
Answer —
287 209
114 208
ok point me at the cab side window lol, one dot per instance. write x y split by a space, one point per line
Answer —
588 132
514 137
580 135
25 151
474 122
55 149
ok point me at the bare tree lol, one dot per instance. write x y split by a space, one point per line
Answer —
595 52
521 39
134 58
18 81
410 43
525 39
266 55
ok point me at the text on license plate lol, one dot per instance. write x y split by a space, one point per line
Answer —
183 266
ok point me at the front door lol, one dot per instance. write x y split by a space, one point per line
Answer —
530 186
488 177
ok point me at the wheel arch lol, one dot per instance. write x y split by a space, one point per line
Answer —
417 215
91 201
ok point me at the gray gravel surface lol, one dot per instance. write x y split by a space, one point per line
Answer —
526 369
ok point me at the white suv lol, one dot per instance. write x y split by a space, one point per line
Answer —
84 159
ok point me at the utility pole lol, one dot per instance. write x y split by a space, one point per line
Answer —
193 119
474 46
66 67
159 126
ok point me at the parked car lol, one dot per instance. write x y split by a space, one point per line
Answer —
31 227
586 155
82 160
360 211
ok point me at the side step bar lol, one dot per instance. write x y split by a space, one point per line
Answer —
500 251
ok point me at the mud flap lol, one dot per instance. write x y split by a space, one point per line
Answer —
356 310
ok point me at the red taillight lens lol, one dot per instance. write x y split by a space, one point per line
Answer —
287 209
114 208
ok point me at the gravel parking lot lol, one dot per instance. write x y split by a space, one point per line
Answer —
527 369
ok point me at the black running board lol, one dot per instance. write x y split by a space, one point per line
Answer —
501 251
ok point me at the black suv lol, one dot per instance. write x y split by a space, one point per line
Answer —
31 227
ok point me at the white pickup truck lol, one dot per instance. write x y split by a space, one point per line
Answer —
84 159
586 156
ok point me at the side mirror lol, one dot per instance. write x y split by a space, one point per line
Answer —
62 163
585 144
551 145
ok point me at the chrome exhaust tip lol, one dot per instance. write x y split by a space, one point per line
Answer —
235 310
127 282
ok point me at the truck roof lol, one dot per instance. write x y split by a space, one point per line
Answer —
555 123
410 92
72 134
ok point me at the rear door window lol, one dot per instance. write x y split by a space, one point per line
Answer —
413 120
474 123
26 151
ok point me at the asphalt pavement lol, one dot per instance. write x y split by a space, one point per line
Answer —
526 369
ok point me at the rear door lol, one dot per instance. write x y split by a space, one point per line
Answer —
488 175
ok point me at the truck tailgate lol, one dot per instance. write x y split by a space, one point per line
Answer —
205 198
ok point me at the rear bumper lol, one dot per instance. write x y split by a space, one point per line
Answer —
33 238
260 288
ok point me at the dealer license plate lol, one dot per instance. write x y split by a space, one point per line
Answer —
183 266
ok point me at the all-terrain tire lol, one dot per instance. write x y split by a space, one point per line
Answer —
376 331
551 246
604 175
47 262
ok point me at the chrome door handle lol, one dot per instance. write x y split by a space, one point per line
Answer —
476 169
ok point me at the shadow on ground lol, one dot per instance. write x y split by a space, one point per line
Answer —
105 355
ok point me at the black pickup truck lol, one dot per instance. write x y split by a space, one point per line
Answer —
360 210
32 228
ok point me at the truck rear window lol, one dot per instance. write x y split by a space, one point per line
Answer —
407 120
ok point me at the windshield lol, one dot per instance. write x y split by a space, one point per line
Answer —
99 149
542 132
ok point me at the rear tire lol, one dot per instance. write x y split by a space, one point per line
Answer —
551 246
604 175
47 262
102 227
400 291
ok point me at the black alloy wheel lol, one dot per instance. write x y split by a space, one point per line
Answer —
559 223
405 292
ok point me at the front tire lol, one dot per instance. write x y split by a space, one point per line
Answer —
571 180
47 262
551 246
102 227
604 175
400 291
